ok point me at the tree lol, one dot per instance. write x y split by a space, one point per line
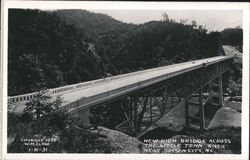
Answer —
74 46
42 105
165 17
183 21
41 119
232 36
46 116
194 24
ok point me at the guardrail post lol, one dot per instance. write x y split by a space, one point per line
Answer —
77 103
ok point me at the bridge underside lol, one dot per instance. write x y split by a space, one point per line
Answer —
141 109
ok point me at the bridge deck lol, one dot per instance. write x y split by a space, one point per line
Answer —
98 91
137 78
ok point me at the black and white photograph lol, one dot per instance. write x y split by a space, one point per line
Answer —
146 81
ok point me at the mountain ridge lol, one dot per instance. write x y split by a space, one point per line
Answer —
62 47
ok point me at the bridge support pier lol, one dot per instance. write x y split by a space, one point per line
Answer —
216 92
215 89
220 92
201 115
82 116
201 110
187 123
210 92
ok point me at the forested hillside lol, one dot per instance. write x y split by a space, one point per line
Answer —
55 48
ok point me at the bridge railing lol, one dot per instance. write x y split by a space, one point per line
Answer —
23 97
98 97
73 87
127 88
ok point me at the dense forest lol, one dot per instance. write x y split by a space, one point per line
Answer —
48 49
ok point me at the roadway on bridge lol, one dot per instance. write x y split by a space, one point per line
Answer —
118 83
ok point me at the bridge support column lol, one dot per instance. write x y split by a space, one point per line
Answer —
187 123
82 116
220 92
201 110
210 90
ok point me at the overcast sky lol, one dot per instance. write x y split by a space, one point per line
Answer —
213 20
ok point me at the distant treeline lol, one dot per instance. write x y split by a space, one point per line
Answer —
55 48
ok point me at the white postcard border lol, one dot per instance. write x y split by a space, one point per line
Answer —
129 5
